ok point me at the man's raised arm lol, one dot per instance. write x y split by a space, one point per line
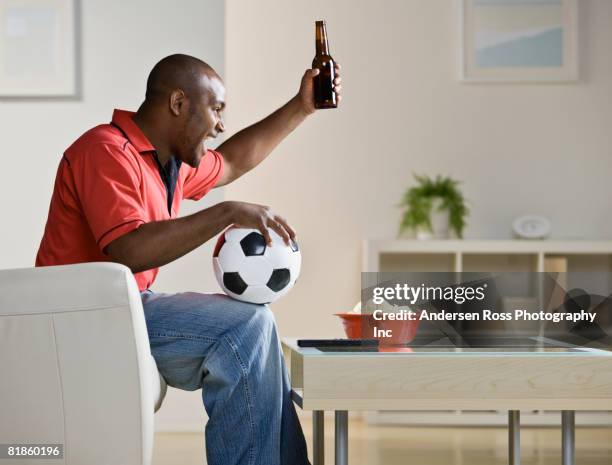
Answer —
249 147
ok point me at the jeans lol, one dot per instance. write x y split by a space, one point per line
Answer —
232 351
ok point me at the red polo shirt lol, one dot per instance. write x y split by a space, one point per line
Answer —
108 183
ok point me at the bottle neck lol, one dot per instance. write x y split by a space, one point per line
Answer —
321 45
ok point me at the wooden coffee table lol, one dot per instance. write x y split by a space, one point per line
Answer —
556 378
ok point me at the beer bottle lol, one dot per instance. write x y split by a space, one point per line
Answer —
324 94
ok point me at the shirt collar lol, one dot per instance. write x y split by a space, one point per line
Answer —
124 120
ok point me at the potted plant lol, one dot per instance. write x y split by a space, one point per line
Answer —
433 208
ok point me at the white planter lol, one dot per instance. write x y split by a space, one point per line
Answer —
440 223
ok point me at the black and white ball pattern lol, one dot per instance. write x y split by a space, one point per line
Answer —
248 269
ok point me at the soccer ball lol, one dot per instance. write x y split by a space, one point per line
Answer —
248 269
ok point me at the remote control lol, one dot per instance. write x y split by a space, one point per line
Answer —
337 342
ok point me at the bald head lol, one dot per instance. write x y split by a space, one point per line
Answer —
183 108
177 72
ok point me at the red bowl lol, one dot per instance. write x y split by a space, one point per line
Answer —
358 326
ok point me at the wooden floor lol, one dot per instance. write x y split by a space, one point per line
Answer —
395 445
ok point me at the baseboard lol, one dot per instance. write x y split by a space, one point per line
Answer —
179 425
483 418
195 424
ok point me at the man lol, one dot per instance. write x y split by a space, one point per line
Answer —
116 198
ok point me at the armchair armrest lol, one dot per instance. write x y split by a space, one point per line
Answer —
76 363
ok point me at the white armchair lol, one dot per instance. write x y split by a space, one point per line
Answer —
75 364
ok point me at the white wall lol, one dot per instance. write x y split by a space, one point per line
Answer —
121 41
543 149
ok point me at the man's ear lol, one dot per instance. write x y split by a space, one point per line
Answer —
177 102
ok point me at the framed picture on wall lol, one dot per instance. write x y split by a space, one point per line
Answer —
39 49
519 40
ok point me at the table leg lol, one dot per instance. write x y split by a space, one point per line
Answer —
341 437
318 438
567 437
514 437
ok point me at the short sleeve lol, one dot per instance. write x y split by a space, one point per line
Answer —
107 182
199 181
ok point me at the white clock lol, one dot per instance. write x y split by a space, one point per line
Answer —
531 227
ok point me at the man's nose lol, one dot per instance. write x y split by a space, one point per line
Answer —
220 126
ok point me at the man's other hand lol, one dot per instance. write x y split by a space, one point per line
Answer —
250 215
306 92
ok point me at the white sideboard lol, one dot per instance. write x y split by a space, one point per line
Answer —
394 255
